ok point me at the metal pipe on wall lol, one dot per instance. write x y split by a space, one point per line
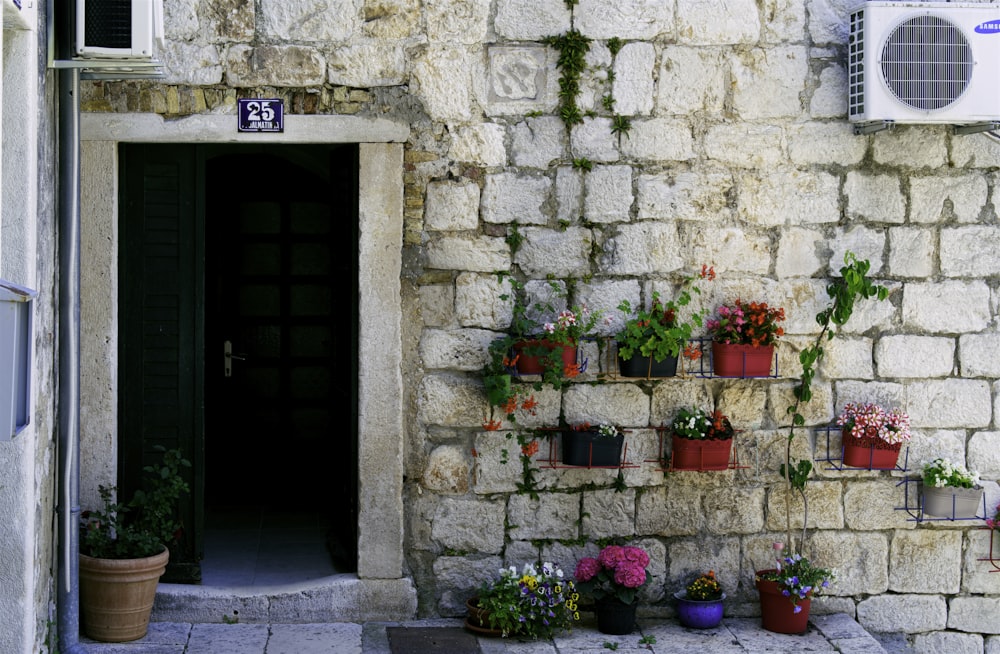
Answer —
68 221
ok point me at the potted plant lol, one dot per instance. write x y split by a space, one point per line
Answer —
651 340
537 602
871 436
123 552
743 338
700 440
592 446
950 490
786 593
552 352
531 348
613 579
699 606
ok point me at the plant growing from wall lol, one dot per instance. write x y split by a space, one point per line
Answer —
573 47
852 285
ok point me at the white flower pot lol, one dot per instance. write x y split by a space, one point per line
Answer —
951 502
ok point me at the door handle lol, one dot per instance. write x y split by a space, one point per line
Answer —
228 355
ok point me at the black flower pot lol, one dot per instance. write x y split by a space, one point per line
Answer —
647 367
615 617
591 449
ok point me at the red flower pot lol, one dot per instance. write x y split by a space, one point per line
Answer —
777 612
533 364
742 360
700 454
870 453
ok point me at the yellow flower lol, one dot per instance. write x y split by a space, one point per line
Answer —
529 581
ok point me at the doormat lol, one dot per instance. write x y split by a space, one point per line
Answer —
419 640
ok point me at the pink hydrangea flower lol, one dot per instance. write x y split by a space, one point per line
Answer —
611 556
636 555
630 575
587 568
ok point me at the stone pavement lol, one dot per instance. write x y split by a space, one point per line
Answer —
827 633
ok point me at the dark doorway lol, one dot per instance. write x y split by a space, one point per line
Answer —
273 299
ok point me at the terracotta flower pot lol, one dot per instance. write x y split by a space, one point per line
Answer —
478 620
700 454
116 595
777 612
533 364
742 360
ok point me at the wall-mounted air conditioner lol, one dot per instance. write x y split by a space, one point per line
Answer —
118 29
924 62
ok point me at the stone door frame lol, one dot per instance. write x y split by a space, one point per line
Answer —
380 236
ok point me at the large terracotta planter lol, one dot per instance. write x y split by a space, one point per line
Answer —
950 502
777 612
741 360
698 614
615 617
116 595
647 367
870 453
700 454
589 448
478 620
533 364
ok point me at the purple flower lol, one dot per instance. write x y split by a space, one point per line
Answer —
798 609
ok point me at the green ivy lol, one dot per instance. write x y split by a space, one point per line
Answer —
852 285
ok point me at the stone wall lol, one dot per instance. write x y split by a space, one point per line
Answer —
739 156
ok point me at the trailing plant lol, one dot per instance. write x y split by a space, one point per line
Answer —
501 391
852 285
528 442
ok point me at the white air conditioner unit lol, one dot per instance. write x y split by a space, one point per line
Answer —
118 29
924 62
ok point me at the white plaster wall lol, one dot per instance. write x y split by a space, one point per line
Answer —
26 461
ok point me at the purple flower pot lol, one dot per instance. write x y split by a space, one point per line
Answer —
698 614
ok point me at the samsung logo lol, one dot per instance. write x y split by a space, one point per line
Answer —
989 27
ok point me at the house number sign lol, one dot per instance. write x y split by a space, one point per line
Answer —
261 115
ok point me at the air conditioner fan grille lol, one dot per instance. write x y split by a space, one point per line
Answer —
108 23
927 62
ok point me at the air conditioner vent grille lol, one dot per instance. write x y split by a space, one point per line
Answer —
108 23
927 62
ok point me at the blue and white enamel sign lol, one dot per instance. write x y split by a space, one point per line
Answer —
261 115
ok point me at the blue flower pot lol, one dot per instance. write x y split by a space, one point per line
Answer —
698 614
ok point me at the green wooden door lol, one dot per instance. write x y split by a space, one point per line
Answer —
250 250
160 328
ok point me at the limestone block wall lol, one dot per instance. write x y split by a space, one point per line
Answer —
739 156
